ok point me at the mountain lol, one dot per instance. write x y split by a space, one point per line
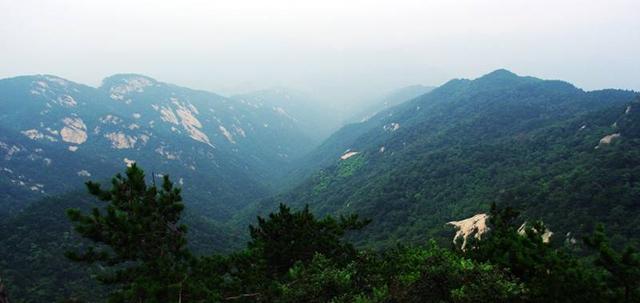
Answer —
389 100
554 151
317 120
301 168
56 134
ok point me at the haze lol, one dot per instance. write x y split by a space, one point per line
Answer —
342 52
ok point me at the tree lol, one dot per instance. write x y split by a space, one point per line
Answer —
623 267
433 274
137 236
287 237
549 274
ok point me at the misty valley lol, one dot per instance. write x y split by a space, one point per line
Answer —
503 188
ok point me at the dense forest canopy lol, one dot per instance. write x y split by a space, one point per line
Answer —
295 257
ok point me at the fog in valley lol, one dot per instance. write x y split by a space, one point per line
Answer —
343 54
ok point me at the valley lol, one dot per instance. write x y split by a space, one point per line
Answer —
554 152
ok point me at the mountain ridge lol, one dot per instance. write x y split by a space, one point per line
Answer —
447 154
169 128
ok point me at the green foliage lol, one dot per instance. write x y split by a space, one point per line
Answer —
434 274
138 236
295 257
348 167
465 143
32 262
287 237
623 268
321 281
549 274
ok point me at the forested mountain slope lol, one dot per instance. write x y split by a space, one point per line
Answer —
565 155
34 241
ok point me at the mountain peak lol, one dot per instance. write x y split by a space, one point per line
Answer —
126 78
500 74
503 77
121 85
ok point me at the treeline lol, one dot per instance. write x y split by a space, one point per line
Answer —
292 256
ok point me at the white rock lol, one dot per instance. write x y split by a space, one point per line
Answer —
67 100
167 115
74 131
475 226
110 119
132 84
84 173
546 236
238 130
128 162
121 141
348 155
226 134
32 134
391 127
609 138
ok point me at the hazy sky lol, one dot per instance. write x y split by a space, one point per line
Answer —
340 50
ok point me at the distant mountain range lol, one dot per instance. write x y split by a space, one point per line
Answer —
389 100
314 118
56 134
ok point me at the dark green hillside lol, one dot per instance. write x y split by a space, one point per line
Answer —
448 154
33 244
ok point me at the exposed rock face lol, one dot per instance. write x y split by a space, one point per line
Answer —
167 127
391 127
32 134
475 226
348 155
66 100
546 236
132 84
226 134
84 173
167 115
74 131
609 138
120 140
128 162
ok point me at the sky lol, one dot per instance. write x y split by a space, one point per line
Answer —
339 51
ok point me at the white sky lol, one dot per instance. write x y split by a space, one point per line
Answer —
341 50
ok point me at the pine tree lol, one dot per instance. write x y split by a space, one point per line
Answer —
287 237
137 237
549 274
